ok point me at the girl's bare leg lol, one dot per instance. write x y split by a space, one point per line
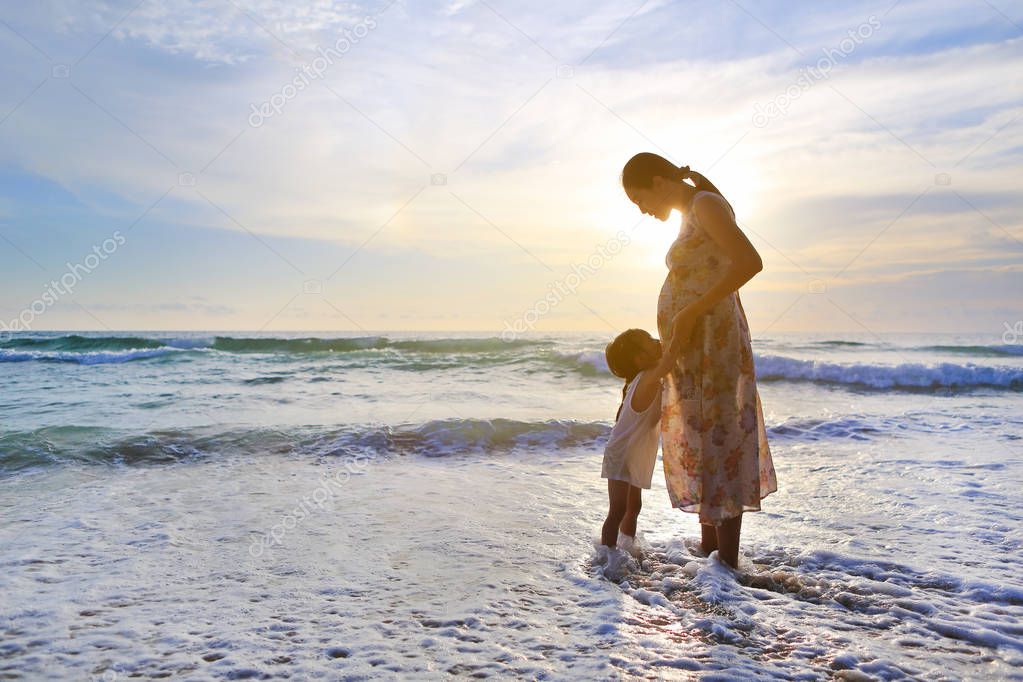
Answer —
632 509
709 541
618 500
728 540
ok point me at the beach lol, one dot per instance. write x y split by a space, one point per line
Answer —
244 506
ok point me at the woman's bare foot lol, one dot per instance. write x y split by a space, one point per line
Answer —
695 547
709 541
728 540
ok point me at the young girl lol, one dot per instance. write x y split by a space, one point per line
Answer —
629 456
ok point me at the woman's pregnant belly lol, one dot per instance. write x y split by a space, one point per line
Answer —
678 291
675 295
665 308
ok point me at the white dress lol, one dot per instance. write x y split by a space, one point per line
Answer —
631 450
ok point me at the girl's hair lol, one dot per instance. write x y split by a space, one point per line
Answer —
621 358
639 172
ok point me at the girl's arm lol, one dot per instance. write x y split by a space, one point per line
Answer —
650 382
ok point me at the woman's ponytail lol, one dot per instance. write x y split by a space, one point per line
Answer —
641 169
700 182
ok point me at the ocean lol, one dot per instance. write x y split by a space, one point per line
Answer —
402 505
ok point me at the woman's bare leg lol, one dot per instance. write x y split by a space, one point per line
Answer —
632 509
709 540
728 540
618 500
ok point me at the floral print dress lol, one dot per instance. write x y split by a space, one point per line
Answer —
717 462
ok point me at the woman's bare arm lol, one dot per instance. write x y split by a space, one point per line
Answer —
744 261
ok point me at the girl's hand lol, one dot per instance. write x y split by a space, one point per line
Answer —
681 330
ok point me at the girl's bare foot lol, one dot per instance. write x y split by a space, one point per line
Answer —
628 544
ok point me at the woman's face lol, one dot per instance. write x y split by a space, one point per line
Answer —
654 200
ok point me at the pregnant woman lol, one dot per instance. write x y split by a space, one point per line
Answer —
714 443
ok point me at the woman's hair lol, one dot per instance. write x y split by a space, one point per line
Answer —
640 170
621 358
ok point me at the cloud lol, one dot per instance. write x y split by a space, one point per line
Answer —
165 307
528 153
216 33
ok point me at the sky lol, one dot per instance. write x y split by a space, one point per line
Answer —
454 165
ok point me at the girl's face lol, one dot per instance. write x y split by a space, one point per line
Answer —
649 352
